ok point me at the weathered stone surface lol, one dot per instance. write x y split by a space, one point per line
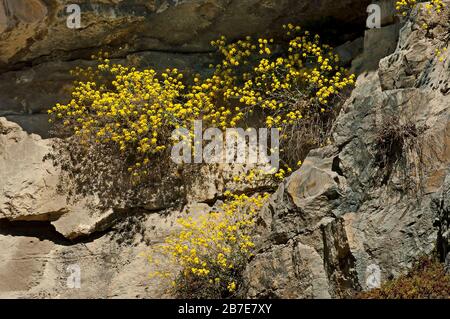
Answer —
28 185
35 258
37 29
441 205
373 52
350 50
292 271
33 123
367 224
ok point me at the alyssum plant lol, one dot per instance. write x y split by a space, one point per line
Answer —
127 115
118 125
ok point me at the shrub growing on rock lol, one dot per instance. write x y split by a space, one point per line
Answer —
210 254
397 150
119 120
117 137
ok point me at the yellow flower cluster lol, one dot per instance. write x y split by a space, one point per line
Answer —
309 71
213 250
133 112
405 6
439 53
436 5
283 172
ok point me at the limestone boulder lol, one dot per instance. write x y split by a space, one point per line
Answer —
28 184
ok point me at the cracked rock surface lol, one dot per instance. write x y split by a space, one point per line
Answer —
335 219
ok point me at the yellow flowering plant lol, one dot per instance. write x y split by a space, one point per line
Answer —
285 87
119 120
404 7
118 126
210 253
296 83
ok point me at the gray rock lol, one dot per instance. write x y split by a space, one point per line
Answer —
336 203
288 271
441 206
33 123
373 51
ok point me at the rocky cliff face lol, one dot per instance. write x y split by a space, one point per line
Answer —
337 218
36 30
343 214
37 49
